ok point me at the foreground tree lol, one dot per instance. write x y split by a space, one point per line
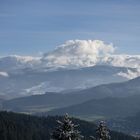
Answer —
102 132
66 130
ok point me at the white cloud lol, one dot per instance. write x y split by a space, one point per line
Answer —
13 62
78 53
85 53
130 74
132 61
4 74
75 54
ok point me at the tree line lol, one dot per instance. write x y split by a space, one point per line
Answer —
15 126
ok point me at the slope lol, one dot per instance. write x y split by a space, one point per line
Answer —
24 127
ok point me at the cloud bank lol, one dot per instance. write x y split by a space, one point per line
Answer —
86 53
80 53
132 61
130 74
14 62
75 54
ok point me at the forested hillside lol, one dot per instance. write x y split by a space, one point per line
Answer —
107 107
25 127
130 125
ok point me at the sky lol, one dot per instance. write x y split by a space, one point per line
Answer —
32 27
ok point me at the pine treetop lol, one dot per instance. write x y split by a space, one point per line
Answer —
66 130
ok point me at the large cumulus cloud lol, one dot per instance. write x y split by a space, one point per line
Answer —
78 53
85 53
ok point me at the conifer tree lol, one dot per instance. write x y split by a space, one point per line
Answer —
66 130
102 132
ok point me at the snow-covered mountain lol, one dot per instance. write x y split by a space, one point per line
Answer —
31 81
117 96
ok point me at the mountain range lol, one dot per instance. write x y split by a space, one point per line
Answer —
25 75
104 96
106 88
105 108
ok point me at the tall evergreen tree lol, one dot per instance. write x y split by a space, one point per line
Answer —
66 130
102 132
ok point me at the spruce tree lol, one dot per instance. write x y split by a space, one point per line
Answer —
102 132
66 130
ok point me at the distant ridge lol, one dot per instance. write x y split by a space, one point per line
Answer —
51 101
